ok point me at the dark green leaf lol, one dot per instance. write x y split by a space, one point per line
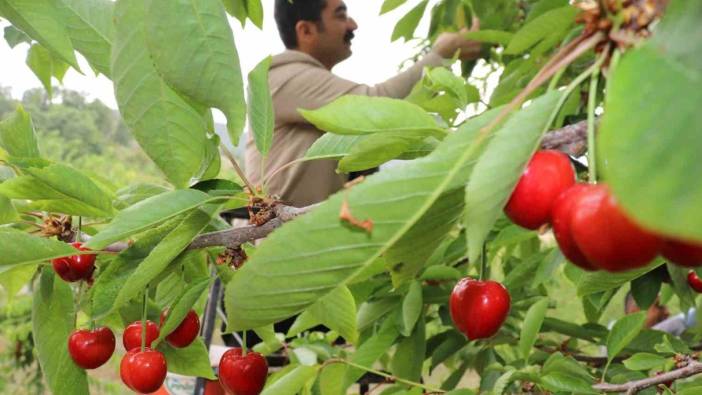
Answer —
678 277
15 36
181 306
645 290
409 355
193 360
531 326
372 349
412 306
593 282
336 311
52 323
539 28
623 332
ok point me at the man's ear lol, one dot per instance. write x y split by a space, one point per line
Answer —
305 31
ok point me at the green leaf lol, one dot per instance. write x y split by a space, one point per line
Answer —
135 193
371 312
654 153
678 277
169 130
644 361
336 311
593 282
159 258
278 281
531 327
499 168
181 306
372 349
292 382
17 135
440 272
39 61
374 150
564 382
333 146
331 379
566 365
406 26
15 277
40 20
20 248
111 280
623 332
15 36
169 289
410 354
52 323
491 36
543 6
89 25
254 9
645 290
352 115
389 5
193 360
412 306
237 9
539 28
8 213
442 79
192 46
260 104
147 213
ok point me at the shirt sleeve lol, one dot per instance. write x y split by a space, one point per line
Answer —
315 87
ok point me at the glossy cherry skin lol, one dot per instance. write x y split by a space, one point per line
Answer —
479 308
131 338
606 236
75 267
242 374
560 217
186 332
143 371
682 253
694 281
90 349
547 175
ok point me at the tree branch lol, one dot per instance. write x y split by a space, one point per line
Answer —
571 139
632 387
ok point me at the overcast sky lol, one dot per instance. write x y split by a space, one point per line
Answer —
375 58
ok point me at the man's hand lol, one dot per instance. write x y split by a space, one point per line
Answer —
448 43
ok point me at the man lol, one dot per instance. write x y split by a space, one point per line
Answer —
317 35
658 317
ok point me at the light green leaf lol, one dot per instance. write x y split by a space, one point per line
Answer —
499 168
440 272
502 382
564 382
623 332
644 361
181 306
531 327
491 36
406 26
20 248
170 288
193 360
17 135
40 20
365 115
333 146
331 379
260 104
52 323
441 78
593 282
192 46
254 9
13 278
237 9
8 213
678 277
543 6
337 311
389 5
279 281
540 27
147 213
135 193
39 61
90 27
159 258
372 349
371 312
412 306
410 353
168 129
374 150
292 382
656 153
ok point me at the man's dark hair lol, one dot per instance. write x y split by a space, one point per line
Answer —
289 12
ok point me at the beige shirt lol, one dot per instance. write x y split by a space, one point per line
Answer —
299 81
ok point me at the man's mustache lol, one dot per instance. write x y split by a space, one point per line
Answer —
349 36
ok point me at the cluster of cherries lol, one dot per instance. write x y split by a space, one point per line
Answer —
591 229
144 370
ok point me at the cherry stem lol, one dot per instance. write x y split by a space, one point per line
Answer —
238 170
244 349
591 102
143 319
387 376
483 263
80 227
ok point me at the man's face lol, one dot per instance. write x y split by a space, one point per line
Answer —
333 43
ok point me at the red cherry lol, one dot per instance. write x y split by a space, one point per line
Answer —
75 267
561 215
606 236
131 338
682 253
547 175
91 349
186 332
143 371
694 281
478 308
242 374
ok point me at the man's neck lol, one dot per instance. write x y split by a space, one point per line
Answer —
328 64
